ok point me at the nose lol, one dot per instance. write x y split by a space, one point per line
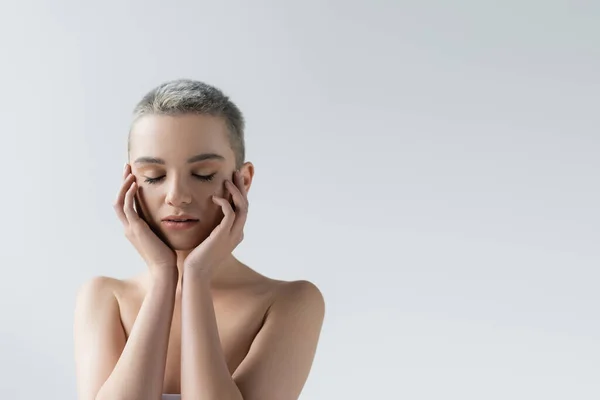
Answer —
177 194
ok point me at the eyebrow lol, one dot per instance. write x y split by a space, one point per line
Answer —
196 158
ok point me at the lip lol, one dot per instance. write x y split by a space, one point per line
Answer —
179 217
176 226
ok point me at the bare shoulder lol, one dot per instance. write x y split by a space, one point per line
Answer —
285 296
285 345
94 288
99 338
301 290
101 287
299 295
282 290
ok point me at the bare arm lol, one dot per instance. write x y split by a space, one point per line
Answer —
281 356
109 366
204 372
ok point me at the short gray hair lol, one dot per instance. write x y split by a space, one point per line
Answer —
186 96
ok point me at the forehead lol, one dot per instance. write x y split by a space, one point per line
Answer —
179 136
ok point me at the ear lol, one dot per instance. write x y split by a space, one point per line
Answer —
247 171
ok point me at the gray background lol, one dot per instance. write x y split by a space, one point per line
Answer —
431 166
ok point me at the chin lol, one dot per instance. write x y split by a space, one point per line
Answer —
184 242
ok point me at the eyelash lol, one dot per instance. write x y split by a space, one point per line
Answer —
203 178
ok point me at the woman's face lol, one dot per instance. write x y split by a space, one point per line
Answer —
179 162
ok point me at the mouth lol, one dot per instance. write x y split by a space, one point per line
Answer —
179 224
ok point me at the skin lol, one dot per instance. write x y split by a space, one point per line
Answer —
198 321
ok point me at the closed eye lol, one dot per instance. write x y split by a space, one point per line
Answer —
203 178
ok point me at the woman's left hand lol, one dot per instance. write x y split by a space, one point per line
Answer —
227 235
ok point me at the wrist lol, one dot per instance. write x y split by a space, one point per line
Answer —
170 275
200 274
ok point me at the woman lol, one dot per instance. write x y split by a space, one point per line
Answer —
198 323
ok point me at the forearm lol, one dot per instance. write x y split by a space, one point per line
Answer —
139 373
204 371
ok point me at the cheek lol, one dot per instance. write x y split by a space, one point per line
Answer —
218 188
153 198
150 199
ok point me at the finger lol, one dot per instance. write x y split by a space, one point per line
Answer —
239 181
130 213
238 197
120 200
240 221
243 191
241 207
137 202
229 214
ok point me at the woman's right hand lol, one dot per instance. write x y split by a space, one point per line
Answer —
159 257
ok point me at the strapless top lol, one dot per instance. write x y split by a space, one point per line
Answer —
169 396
